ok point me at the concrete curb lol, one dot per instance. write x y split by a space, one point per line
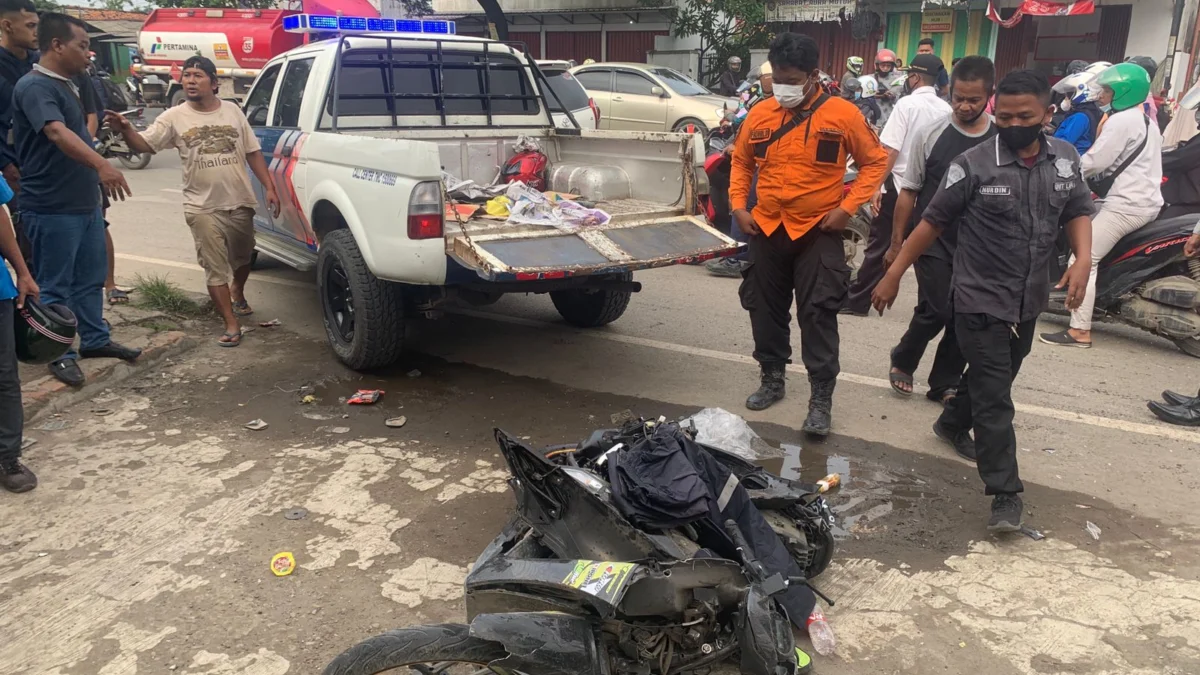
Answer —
46 395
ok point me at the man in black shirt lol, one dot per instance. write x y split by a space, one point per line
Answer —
934 146
731 79
1007 199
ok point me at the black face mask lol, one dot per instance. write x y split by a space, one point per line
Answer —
973 119
1017 137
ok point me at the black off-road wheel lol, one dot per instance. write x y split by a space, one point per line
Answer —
444 648
1189 346
591 308
363 315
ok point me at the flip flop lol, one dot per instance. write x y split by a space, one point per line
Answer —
242 308
117 296
234 339
896 379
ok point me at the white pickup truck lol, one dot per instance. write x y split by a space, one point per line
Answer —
358 131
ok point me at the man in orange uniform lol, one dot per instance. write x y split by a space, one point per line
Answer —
798 142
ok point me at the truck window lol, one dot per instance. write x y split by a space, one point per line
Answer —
291 93
260 98
365 91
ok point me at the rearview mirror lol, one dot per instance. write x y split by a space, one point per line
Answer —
257 116
658 91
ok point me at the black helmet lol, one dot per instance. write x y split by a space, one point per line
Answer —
44 332
1077 66
1148 64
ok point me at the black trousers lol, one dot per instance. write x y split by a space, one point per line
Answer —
813 270
12 416
931 316
994 350
878 242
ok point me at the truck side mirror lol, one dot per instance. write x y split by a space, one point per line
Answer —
257 116
658 91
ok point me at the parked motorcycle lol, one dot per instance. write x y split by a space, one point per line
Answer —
112 144
133 90
571 587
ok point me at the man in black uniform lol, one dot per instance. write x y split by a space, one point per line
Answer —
933 147
1007 198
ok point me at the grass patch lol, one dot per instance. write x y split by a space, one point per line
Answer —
157 292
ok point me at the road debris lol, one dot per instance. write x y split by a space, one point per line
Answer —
1049 451
270 324
256 425
1031 533
414 373
1093 530
317 416
103 412
365 397
309 398
295 514
396 422
339 430
622 417
27 441
283 564
54 425
830 482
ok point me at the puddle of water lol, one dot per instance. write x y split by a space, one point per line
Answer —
868 492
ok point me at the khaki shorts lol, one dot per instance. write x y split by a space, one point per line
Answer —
224 242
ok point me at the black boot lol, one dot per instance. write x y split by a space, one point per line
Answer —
820 407
771 389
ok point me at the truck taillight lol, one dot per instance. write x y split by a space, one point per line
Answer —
595 111
426 211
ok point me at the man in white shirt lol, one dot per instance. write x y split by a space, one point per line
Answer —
1128 155
921 107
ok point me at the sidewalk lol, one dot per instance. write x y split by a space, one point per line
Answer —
157 334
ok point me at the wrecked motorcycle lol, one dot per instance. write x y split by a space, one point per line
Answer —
572 587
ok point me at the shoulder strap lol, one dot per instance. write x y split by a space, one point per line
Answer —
760 149
1136 153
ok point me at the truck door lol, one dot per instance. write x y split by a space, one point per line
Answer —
283 156
257 108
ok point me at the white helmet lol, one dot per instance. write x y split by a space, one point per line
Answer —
1097 67
1077 89
870 87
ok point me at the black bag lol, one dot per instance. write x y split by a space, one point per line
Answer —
1101 186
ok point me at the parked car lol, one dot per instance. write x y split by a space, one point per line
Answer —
643 97
572 94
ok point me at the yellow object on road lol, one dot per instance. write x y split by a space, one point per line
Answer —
283 564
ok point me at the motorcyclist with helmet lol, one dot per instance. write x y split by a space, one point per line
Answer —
854 69
868 102
1082 121
1124 169
731 78
889 83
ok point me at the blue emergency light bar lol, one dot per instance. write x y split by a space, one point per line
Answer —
318 23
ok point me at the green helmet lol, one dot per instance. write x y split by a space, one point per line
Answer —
1129 82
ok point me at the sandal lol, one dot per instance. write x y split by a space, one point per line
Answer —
242 308
117 296
897 379
230 339
942 396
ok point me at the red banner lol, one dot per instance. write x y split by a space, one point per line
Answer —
1041 8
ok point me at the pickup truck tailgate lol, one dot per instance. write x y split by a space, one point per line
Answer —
499 251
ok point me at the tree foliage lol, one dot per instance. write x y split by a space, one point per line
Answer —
725 27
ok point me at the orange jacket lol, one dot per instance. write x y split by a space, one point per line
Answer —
801 177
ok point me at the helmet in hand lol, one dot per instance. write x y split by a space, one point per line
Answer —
43 332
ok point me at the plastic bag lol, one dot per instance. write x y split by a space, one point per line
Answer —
532 207
498 206
527 144
729 432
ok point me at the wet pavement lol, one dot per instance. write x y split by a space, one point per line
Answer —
146 548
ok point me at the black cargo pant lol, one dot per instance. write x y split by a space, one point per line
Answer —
878 242
994 350
813 270
12 416
931 316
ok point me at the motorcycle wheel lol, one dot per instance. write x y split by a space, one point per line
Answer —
854 239
440 648
138 161
1189 346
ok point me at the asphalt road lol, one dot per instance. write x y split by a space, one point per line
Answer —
921 587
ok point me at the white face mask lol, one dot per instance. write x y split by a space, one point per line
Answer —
790 95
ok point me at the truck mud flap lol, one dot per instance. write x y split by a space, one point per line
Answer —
547 253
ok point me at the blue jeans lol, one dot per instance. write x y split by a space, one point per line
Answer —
70 263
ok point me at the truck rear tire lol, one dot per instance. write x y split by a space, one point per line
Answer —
177 98
591 308
363 315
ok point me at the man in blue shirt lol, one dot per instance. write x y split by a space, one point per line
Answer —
18 53
14 476
60 200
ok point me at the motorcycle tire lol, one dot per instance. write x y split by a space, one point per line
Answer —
440 643
134 162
